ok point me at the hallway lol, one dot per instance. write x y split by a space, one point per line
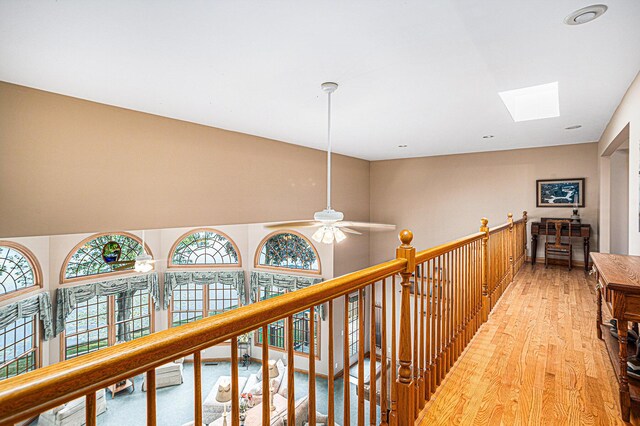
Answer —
536 361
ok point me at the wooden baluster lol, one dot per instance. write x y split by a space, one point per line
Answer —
346 388
331 374
406 403
434 331
266 392
312 366
90 412
151 397
485 270
414 341
361 325
512 260
372 356
393 420
235 391
456 304
197 380
384 415
291 391
438 324
421 332
449 311
427 293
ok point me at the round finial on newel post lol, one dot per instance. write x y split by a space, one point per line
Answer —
406 237
510 215
524 215
484 222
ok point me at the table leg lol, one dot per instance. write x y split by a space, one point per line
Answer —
534 248
599 314
586 254
625 397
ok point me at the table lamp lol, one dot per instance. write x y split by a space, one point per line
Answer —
273 373
224 396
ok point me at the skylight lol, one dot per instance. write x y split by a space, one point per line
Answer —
532 103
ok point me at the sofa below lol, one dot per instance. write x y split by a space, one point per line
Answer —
73 412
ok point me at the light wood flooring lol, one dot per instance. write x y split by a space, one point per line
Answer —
537 360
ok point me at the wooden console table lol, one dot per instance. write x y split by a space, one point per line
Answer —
577 230
618 282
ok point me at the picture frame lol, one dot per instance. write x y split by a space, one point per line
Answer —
560 192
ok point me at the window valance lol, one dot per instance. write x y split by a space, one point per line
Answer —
38 304
290 282
174 279
68 297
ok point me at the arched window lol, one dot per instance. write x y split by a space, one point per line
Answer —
19 271
204 248
287 250
95 255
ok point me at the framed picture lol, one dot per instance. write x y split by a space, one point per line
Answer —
560 192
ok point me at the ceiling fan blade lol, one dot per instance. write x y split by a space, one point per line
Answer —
349 230
294 224
124 265
372 226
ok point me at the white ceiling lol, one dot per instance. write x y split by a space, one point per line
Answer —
421 73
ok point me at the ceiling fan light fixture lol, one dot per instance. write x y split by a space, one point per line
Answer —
317 236
144 263
327 238
339 235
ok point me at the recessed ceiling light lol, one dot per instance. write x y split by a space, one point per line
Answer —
577 126
532 103
402 146
487 137
586 14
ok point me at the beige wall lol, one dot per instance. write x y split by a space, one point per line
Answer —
624 125
70 166
441 198
619 208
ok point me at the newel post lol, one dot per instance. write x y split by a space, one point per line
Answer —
405 392
512 247
485 269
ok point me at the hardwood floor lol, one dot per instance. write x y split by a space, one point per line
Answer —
536 361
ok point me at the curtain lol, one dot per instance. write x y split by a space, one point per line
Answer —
174 279
69 297
290 282
38 304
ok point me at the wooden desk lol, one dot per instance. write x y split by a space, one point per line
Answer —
618 281
577 230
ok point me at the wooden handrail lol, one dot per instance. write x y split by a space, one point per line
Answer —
499 228
436 251
29 394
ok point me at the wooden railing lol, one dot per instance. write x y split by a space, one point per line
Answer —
445 295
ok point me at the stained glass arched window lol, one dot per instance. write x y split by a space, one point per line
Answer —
204 247
288 250
94 255
18 269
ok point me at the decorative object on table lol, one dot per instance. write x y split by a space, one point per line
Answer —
273 373
246 402
575 216
560 192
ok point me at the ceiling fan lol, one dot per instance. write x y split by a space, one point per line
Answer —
143 262
330 223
